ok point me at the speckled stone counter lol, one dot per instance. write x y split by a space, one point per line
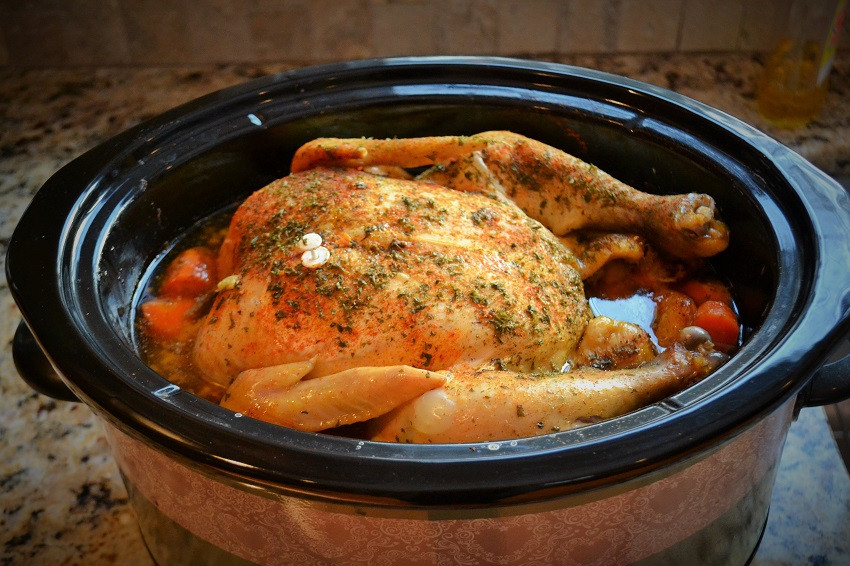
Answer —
61 497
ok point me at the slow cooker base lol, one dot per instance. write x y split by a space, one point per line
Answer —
731 539
169 543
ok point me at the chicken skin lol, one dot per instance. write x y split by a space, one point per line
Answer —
445 308
561 191
418 275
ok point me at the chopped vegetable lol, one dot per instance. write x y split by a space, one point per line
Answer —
706 290
719 320
169 318
673 312
190 274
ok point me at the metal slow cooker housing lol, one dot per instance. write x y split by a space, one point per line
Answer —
81 254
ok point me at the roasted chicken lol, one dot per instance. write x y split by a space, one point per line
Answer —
448 307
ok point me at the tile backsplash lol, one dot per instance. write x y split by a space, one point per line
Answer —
51 33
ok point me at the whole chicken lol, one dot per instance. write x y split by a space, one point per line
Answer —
448 307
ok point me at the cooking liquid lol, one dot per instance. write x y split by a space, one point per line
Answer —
638 309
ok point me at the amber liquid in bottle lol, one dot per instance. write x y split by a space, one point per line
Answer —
793 86
789 94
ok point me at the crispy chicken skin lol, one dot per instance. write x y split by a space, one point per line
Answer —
558 189
419 274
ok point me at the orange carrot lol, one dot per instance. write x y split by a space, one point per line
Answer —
702 290
168 318
190 274
673 312
719 320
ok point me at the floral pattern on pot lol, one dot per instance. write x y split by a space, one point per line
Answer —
619 525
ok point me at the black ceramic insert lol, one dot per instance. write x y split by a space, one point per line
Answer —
100 222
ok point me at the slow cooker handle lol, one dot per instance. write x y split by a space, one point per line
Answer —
34 367
830 384
829 205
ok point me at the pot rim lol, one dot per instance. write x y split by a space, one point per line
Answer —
802 323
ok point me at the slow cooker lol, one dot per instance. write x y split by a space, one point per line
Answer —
687 479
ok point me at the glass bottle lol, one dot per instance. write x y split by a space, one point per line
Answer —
792 88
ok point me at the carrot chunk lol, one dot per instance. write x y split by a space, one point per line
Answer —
702 290
168 318
190 274
718 319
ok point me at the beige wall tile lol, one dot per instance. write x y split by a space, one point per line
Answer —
528 26
711 25
404 28
156 32
94 33
28 47
813 20
763 22
588 26
340 29
649 25
51 33
219 32
467 27
4 54
185 32
280 31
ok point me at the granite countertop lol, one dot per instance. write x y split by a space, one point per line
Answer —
61 496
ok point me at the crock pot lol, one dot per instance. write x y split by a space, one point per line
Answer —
686 479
